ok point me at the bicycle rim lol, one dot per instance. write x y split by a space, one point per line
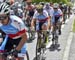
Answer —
37 48
26 57
41 56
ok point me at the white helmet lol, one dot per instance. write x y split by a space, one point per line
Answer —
4 8
56 5
47 4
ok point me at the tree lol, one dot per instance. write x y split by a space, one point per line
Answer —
54 1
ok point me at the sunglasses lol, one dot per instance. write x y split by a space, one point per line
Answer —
3 17
55 8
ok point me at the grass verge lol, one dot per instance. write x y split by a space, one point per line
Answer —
74 26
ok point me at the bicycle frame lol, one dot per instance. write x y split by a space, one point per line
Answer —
41 44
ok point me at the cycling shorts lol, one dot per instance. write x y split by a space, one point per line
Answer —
39 25
11 42
55 20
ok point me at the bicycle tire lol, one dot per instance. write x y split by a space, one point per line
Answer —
37 47
41 49
27 55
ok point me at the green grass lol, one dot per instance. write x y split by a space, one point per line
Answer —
74 26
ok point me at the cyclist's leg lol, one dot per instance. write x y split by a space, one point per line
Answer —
54 29
45 33
59 27
10 44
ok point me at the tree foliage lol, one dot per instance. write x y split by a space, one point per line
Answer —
37 1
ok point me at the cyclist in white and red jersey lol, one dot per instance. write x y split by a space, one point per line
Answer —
57 15
12 26
41 18
49 10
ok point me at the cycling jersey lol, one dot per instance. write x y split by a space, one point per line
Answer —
49 9
31 10
15 28
57 15
40 19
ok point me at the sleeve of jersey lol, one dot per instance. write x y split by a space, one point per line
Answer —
60 12
35 15
22 30
46 14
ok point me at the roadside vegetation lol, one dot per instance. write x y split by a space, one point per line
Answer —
74 26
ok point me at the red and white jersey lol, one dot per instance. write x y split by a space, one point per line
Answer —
15 28
49 9
41 17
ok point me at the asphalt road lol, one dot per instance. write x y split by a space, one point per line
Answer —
58 52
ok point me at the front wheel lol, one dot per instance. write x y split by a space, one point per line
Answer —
27 56
24 56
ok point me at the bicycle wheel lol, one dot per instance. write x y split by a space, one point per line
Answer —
40 49
40 53
26 57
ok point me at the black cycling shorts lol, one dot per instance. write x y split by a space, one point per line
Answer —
40 26
9 45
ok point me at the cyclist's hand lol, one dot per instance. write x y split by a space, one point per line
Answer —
14 52
33 28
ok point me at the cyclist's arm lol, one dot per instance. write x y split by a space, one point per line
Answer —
32 22
22 33
22 42
34 19
49 18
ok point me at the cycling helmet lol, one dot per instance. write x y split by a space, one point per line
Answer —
65 4
39 6
47 4
4 8
55 5
42 3
60 3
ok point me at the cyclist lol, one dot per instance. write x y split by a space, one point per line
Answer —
41 17
13 27
49 9
64 13
56 18
42 20
30 8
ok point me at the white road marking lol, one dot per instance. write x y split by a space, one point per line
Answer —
67 49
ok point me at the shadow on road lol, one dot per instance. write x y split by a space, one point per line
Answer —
55 47
30 40
38 58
